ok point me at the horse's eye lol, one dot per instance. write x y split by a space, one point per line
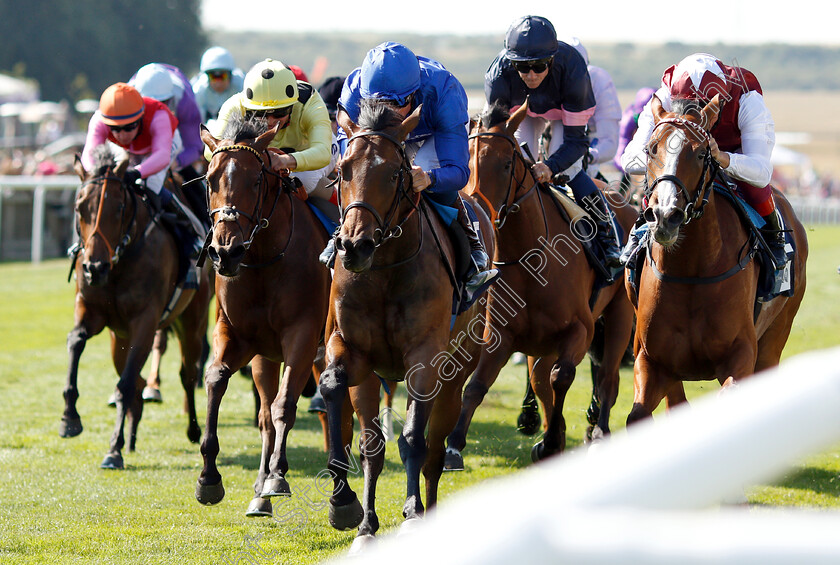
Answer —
508 164
395 176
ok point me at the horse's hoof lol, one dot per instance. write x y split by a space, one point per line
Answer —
276 486
596 435
152 395
361 543
209 494
410 525
112 400
259 507
348 516
112 461
528 422
194 433
453 460
538 452
70 427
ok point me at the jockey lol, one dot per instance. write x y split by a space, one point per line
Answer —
218 80
147 131
167 84
553 77
303 144
438 147
602 128
741 140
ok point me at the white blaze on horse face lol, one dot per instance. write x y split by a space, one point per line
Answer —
667 190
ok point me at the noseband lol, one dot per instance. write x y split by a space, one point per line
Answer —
693 209
510 204
384 228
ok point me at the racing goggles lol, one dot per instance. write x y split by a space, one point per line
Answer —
276 113
537 65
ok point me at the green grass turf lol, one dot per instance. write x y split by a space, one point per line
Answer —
59 507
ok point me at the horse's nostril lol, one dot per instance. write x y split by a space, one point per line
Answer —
339 244
213 253
237 253
675 219
649 215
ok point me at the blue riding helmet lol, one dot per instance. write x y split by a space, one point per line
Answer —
529 38
391 72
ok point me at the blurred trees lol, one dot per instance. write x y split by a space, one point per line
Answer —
76 48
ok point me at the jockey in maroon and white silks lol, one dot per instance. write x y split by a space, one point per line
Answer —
742 138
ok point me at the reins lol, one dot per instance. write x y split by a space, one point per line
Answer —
230 213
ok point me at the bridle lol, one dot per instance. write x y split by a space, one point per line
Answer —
510 204
403 192
694 206
116 252
230 213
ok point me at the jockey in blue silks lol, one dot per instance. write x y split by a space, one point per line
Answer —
438 146
554 79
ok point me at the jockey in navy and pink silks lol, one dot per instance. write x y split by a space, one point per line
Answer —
742 139
438 147
554 78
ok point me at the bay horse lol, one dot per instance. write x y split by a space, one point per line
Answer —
391 313
271 295
548 301
127 280
696 305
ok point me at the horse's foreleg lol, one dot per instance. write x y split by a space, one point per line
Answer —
444 415
487 371
151 392
618 327
649 387
71 421
228 359
345 511
365 400
190 339
129 355
266 376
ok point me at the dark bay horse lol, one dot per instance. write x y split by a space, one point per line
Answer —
271 295
547 303
696 317
391 313
126 280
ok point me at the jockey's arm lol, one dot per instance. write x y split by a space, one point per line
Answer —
575 145
189 124
634 159
758 136
161 154
97 134
606 117
316 122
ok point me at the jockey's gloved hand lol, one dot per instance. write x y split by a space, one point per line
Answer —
131 176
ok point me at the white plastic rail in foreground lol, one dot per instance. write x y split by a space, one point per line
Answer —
650 495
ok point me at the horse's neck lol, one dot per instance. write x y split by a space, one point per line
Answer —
701 251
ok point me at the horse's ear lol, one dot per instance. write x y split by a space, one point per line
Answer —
78 167
516 118
263 140
473 124
656 107
710 113
343 119
120 168
208 138
410 122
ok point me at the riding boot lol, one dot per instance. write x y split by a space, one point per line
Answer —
186 218
775 238
480 273
633 239
327 256
595 206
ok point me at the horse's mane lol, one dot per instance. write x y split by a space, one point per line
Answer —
239 127
104 156
687 106
378 115
492 115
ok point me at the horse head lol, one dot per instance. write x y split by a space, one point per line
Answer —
101 219
496 159
680 169
238 186
375 182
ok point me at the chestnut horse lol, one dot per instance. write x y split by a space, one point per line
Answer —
544 306
391 312
271 295
126 276
696 317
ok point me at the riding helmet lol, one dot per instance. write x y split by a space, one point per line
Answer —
390 71
155 81
216 59
269 85
530 38
121 104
